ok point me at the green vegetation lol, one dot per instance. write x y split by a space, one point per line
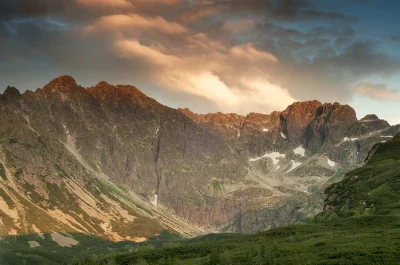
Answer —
373 189
15 250
217 185
358 240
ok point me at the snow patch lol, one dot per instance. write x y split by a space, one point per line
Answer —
238 134
65 129
155 200
275 156
265 130
283 135
347 139
294 165
386 136
300 151
330 162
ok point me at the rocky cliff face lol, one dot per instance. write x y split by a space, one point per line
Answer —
108 160
295 154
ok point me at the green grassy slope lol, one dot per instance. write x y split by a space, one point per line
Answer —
15 250
373 189
359 240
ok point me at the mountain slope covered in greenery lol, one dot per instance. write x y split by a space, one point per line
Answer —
373 189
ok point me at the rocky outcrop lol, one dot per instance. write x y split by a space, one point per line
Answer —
296 118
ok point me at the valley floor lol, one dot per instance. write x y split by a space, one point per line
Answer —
360 240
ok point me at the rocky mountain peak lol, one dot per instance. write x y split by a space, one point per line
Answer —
190 114
370 117
337 113
11 93
122 96
64 80
303 106
62 84
103 84
298 116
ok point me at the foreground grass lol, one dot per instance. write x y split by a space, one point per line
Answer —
15 250
360 240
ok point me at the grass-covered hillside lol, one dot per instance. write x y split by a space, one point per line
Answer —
360 225
360 240
373 189
63 248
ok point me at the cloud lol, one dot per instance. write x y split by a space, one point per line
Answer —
131 22
105 3
240 26
282 10
379 92
249 53
129 48
195 14
204 74
315 14
329 75
164 2
395 38
31 8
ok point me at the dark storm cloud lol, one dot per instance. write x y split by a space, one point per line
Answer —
330 75
11 9
315 15
331 32
283 10
395 38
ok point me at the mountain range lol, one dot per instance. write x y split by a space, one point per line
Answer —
112 162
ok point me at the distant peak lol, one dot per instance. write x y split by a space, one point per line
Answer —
312 104
12 93
302 109
103 84
186 111
370 117
64 83
64 80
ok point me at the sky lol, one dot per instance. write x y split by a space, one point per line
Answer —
212 55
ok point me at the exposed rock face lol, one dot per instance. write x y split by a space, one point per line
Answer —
297 117
83 159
